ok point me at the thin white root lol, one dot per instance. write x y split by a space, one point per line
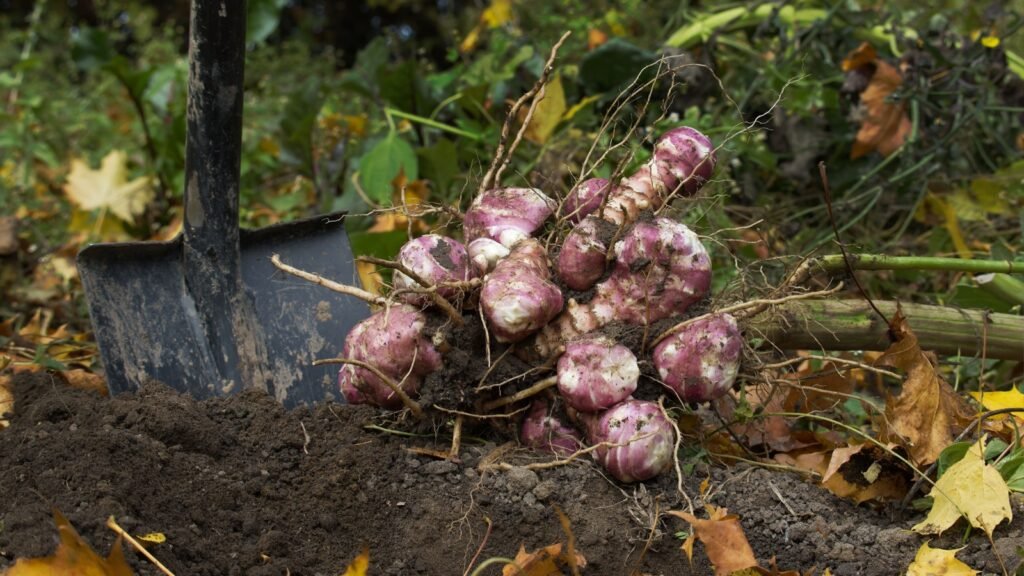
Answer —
363 295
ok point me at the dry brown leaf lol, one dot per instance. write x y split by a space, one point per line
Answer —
85 380
73 557
724 541
927 414
548 561
885 125
872 478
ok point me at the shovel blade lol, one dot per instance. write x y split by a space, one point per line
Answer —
148 327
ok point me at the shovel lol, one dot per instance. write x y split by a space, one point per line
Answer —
207 313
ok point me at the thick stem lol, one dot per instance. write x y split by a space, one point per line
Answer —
1002 286
852 325
834 263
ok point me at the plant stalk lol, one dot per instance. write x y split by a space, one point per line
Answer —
1002 286
852 325
834 263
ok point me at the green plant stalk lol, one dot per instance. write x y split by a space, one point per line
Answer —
853 325
836 263
431 123
1002 286
742 16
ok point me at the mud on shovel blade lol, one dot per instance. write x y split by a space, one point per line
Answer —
207 313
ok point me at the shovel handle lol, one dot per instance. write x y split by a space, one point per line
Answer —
213 150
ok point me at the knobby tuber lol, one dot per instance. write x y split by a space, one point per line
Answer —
628 266
699 362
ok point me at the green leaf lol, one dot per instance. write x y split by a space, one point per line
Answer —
439 163
91 49
381 164
951 455
297 124
613 64
262 19
1012 470
379 244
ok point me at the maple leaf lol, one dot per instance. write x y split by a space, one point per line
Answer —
108 188
73 557
547 561
972 489
885 125
938 562
722 536
927 410
359 565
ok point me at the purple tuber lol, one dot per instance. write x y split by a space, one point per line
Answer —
581 261
507 215
584 199
700 361
641 440
596 374
436 259
517 297
392 341
543 430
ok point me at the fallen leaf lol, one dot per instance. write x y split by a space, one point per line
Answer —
73 557
547 114
595 37
359 566
153 538
6 401
108 188
972 489
497 14
1011 398
938 562
871 476
85 380
724 541
839 457
927 413
548 561
885 125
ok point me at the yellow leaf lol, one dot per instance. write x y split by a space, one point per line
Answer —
153 538
990 41
6 400
1011 398
547 114
107 188
577 107
73 557
548 561
369 277
937 562
969 488
359 566
498 13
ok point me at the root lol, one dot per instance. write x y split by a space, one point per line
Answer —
363 295
428 288
522 394
408 402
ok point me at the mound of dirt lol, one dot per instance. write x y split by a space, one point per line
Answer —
242 486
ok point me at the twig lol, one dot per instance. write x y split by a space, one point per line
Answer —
408 402
456 438
429 289
480 416
112 524
781 499
483 543
834 360
759 305
564 461
305 443
502 157
363 295
522 394
675 455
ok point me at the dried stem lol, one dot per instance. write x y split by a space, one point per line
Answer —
112 524
408 402
363 295
522 394
503 157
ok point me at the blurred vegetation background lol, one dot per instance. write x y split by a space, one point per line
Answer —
360 106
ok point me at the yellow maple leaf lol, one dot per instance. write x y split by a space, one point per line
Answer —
938 562
359 566
1011 398
108 188
972 489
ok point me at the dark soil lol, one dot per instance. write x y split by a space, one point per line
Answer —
241 486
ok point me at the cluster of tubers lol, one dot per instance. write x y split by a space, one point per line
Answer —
625 265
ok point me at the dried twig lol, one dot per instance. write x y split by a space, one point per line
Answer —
112 524
363 295
522 394
428 288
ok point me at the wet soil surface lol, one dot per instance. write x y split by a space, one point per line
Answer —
241 486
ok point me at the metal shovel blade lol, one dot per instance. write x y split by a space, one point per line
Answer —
208 314
148 324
